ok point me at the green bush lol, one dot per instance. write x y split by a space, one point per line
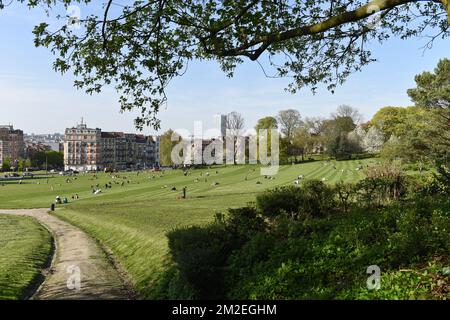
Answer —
263 253
384 183
416 282
344 193
440 229
327 258
172 286
432 184
244 222
312 199
200 253
318 199
275 202
381 188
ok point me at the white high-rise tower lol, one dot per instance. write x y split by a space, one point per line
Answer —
220 123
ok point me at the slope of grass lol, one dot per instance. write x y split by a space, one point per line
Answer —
133 220
24 249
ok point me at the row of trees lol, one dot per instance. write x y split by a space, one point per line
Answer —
299 137
302 137
339 136
418 133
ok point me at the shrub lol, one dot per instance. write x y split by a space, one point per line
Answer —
344 195
281 200
313 199
440 229
433 184
200 255
244 222
267 268
263 253
171 286
418 282
318 199
383 184
410 240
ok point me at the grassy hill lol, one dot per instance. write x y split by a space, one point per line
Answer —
24 249
132 219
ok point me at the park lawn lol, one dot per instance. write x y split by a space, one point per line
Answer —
133 220
41 192
25 247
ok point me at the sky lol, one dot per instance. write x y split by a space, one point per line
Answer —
36 99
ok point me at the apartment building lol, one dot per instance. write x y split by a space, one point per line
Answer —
88 149
12 144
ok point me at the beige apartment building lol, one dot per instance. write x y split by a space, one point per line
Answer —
88 149
12 144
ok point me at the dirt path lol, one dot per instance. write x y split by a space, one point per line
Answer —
80 268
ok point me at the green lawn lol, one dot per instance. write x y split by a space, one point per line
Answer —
24 249
132 220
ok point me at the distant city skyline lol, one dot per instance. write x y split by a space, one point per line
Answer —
37 100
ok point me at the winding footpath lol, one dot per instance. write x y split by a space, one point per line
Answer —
80 268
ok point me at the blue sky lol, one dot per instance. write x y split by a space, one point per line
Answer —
36 99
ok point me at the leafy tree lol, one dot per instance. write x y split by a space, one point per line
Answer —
235 125
302 142
341 146
433 89
267 123
38 159
289 121
27 163
21 165
415 138
338 142
166 146
344 124
317 128
55 159
140 46
47 159
388 119
433 92
314 125
6 164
